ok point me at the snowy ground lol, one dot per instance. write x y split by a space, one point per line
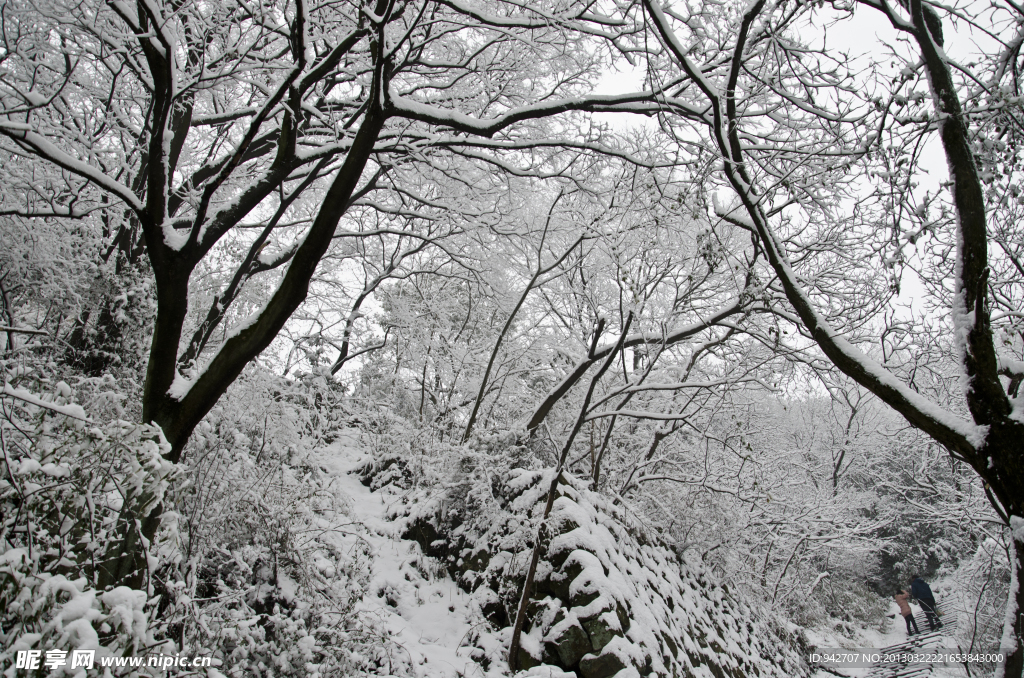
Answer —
425 615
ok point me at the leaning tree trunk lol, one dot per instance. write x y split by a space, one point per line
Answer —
991 442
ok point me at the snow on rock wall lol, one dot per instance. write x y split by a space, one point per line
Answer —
610 599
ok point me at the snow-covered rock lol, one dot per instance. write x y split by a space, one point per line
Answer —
610 597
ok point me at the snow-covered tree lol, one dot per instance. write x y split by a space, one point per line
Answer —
203 130
821 159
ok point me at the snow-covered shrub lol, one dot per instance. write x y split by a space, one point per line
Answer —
918 544
48 270
240 569
262 586
974 595
842 603
46 611
71 489
114 329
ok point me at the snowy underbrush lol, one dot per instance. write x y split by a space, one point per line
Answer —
244 567
610 599
74 482
841 602
264 588
270 573
974 594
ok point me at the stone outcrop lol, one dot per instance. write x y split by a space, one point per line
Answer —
610 599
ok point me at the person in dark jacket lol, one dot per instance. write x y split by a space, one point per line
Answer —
908 614
923 593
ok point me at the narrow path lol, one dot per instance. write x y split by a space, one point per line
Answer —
930 640
422 617
426 626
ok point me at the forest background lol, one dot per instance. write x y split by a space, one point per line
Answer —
231 230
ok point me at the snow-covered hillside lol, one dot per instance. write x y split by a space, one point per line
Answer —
611 599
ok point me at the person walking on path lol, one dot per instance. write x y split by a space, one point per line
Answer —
908 615
924 596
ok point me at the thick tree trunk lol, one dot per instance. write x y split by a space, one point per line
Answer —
179 413
1001 465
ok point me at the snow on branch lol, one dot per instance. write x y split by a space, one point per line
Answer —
73 411
677 335
637 102
543 20
22 133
